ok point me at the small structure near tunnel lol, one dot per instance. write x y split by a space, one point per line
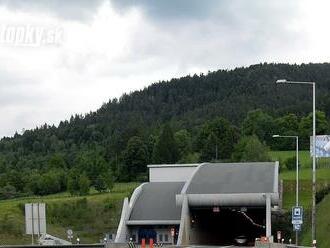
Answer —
205 204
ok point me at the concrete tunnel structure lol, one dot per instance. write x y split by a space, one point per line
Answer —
204 204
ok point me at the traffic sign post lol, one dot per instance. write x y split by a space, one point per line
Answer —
69 232
297 215
297 227
297 220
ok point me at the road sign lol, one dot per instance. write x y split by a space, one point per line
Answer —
297 227
297 215
35 218
69 232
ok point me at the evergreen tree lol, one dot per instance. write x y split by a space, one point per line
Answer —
73 182
135 157
216 140
165 150
183 141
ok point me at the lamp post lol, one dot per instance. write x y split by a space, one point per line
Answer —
297 169
284 81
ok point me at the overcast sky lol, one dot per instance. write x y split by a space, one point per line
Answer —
59 58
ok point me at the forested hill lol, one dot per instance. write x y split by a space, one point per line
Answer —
105 139
226 93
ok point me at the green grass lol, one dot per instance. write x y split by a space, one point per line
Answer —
305 159
305 193
289 194
322 223
306 174
89 216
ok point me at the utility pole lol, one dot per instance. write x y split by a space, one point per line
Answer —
314 171
284 81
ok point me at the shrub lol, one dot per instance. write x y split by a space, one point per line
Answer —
320 194
7 192
290 163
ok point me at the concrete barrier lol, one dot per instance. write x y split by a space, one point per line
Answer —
259 244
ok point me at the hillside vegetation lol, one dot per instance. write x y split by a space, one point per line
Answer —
94 215
224 116
199 118
90 217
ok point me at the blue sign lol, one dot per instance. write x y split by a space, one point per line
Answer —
297 227
297 215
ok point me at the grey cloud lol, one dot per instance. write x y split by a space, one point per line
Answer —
176 37
73 9
233 32
226 10
171 9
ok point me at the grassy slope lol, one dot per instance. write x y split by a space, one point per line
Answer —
304 158
322 223
89 216
305 177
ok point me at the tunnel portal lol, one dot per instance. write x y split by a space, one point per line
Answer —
226 226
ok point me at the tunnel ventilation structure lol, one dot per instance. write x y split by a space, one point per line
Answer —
202 204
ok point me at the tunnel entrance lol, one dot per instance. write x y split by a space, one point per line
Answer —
226 226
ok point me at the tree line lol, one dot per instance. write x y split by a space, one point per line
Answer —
79 168
213 117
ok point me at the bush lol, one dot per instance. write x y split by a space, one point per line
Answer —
320 194
290 163
250 149
72 213
78 184
7 192
84 184
108 204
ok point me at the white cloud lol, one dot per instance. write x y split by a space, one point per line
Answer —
108 51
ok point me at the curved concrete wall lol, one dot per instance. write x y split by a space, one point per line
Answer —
122 230
122 227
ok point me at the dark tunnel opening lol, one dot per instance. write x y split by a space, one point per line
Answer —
227 226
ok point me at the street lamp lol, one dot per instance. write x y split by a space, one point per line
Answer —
297 169
284 81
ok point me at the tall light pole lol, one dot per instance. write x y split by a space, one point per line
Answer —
297 169
284 81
